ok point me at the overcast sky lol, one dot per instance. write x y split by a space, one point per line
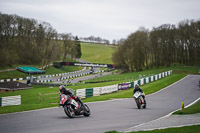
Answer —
109 19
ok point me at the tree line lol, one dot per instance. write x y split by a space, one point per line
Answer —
31 42
161 46
93 39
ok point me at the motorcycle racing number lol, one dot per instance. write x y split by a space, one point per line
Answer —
74 103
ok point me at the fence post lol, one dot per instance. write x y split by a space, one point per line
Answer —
40 98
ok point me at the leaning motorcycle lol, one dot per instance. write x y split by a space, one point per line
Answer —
73 108
140 101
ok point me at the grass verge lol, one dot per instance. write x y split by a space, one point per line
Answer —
190 110
185 129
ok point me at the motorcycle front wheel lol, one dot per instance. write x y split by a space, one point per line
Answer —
86 111
138 102
69 111
145 104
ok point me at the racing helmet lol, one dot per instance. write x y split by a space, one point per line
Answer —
137 85
62 89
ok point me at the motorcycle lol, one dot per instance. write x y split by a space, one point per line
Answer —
73 108
140 101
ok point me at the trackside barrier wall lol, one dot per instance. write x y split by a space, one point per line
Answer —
108 89
81 93
156 77
142 81
89 92
125 86
10 100
96 91
146 80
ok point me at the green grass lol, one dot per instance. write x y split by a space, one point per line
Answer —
29 99
185 129
12 74
190 110
97 53
49 71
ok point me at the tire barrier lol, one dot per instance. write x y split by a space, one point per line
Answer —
42 76
96 91
10 100
63 78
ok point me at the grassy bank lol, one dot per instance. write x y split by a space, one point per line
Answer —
186 129
97 53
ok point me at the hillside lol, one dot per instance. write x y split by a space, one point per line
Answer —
97 53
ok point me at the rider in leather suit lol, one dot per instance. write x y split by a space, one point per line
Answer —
137 88
68 92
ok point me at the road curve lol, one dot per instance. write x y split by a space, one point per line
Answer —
117 115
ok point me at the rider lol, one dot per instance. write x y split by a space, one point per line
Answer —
137 88
68 92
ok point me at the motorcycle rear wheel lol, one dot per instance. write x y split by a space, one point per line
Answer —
69 111
86 111
145 105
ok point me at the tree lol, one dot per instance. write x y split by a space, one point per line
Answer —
78 47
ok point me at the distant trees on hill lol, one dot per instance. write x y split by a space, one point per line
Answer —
28 41
162 46
94 39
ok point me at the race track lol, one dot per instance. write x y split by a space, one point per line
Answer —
117 115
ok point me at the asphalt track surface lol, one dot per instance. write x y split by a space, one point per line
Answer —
119 115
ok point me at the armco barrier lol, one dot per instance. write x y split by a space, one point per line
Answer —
83 93
10 100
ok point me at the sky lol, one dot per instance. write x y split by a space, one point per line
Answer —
108 19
